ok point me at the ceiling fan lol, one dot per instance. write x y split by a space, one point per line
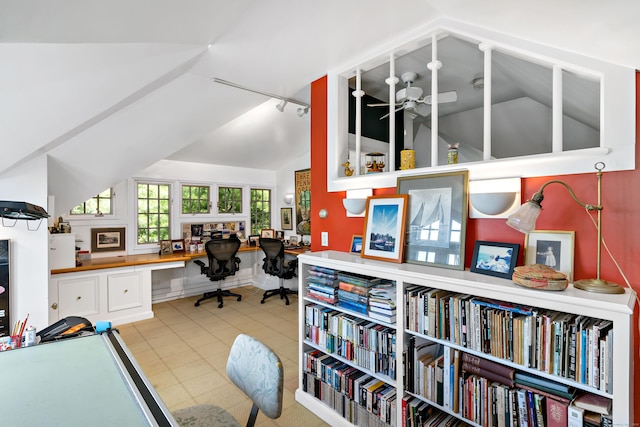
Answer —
410 98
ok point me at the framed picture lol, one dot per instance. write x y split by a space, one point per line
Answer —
384 227
177 245
494 258
293 240
552 248
279 234
165 247
108 239
267 232
437 218
253 239
286 218
356 244
303 201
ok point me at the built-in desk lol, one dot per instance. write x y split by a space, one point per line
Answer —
122 289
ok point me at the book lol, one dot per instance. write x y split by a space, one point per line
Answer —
382 317
488 365
593 403
532 379
490 375
556 412
575 416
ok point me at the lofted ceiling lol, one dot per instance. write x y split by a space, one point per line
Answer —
106 89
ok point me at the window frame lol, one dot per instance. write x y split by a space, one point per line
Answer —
98 213
251 209
170 210
191 186
241 200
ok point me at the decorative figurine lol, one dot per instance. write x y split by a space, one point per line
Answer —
348 171
375 162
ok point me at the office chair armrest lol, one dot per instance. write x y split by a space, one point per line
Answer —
203 267
237 262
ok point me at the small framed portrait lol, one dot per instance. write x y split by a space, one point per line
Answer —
267 232
356 244
494 258
166 247
552 248
253 239
286 218
177 245
280 234
294 240
107 239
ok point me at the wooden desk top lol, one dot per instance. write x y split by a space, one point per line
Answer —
143 259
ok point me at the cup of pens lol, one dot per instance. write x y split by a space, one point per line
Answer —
16 341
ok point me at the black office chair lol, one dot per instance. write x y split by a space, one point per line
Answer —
275 264
223 262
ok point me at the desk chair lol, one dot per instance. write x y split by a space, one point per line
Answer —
275 264
223 262
258 372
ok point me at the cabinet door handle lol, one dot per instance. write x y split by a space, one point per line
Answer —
54 306
78 298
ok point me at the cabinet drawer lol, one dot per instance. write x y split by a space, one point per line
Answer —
124 291
79 297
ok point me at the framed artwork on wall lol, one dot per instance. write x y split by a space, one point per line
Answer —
437 218
552 248
286 218
384 227
108 239
303 201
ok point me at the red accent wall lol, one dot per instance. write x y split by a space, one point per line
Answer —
620 217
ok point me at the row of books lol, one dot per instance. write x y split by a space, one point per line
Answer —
576 347
363 342
365 295
418 413
356 396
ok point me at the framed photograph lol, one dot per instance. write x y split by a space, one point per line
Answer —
494 258
108 239
437 218
384 227
286 218
293 240
253 239
356 244
303 201
177 245
267 232
165 247
279 234
552 248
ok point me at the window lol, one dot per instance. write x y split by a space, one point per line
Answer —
195 199
229 200
98 205
260 210
153 212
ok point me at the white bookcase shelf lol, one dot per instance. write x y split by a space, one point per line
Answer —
616 308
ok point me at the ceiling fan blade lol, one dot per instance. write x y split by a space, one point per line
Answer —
383 105
397 109
443 97
422 109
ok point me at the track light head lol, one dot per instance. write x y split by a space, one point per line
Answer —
281 105
303 110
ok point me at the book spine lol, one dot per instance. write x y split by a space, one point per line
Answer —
488 365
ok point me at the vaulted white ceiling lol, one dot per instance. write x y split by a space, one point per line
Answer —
107 89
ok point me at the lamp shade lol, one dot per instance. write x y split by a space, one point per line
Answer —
355 207
524 219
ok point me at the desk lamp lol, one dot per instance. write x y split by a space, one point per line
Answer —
524 220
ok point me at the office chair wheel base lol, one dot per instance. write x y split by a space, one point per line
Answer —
287 303
197 304
239 298
261 301
220 305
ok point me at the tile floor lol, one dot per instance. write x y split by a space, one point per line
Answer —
183 351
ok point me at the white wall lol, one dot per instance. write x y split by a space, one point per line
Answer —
285 177
29 267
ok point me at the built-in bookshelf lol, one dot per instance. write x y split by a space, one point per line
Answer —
457 346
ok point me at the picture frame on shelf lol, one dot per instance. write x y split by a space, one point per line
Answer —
286 218
108 239
279 234
294 240
178 245
437 218
384 227
495 258
356 244
253 239
267 232
553 248
166 247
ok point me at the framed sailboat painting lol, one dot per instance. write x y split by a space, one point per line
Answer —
383 236
437 218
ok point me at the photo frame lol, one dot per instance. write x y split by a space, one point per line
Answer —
384 227
553 248
177 245
356 244
165 247
286 218
108 239
253 239
279 234
303 201
437 218
267 232
293 240
495 258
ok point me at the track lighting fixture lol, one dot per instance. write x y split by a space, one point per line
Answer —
281 105
303 110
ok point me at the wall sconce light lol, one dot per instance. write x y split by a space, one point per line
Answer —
356 202
288 198
524 220
281 105
323 213
494 198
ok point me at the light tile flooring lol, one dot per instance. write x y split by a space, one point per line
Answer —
183 351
